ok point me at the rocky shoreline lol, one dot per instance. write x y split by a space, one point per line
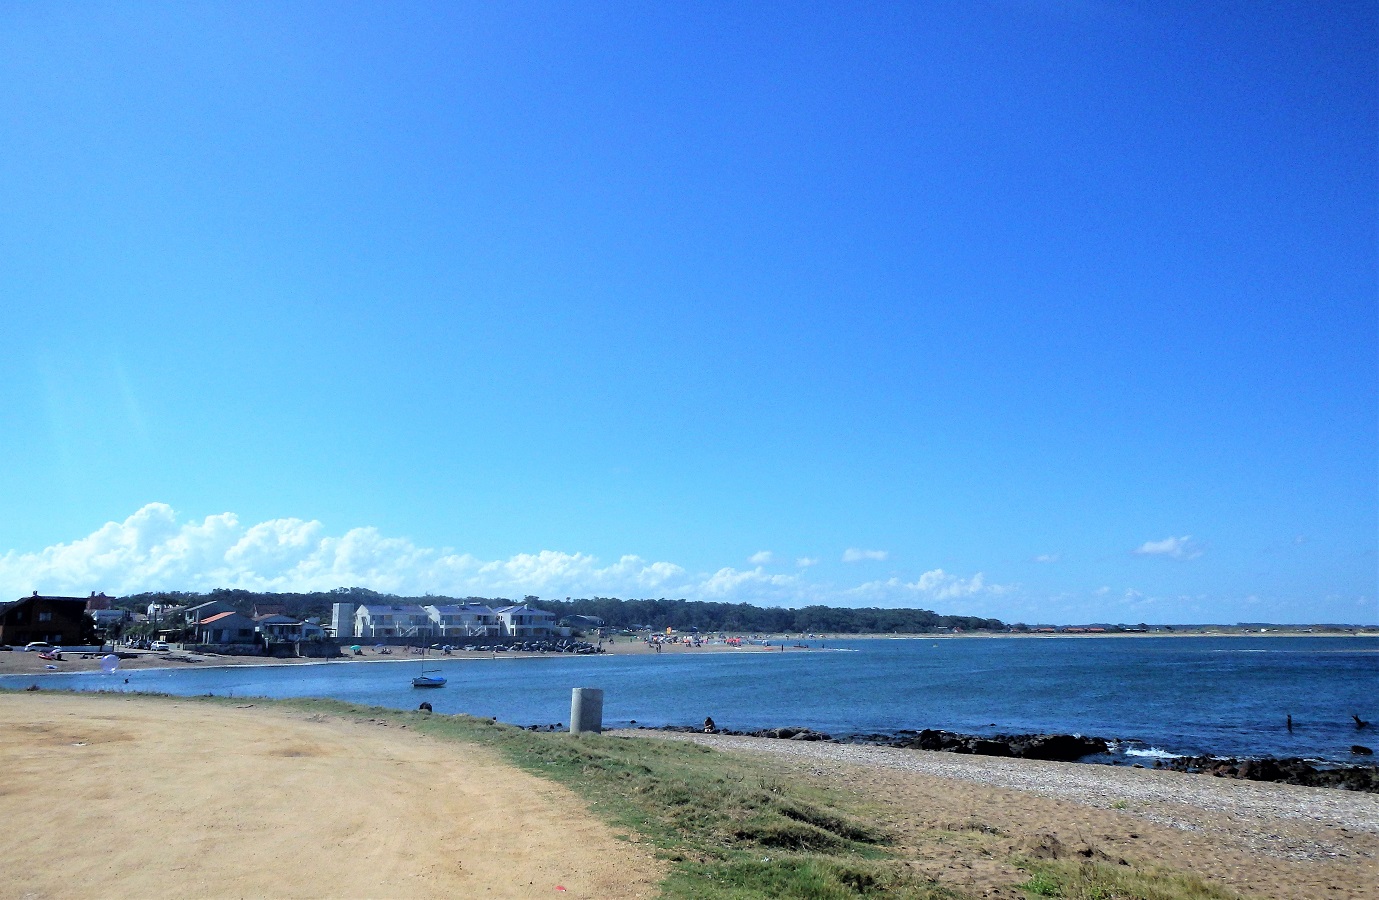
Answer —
1078 748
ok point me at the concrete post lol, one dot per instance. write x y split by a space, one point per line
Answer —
586 710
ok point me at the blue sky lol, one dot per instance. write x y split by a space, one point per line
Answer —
1046 311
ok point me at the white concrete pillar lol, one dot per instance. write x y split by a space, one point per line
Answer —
586 710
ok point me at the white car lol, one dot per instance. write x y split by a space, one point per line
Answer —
161 646
38 645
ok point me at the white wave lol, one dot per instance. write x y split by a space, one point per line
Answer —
1152 753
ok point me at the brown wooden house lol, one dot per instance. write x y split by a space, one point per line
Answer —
57 620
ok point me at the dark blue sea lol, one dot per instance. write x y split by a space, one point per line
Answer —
1179 695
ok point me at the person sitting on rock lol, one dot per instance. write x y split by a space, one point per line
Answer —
709 727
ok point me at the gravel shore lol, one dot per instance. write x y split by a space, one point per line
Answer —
1102 786
1241 820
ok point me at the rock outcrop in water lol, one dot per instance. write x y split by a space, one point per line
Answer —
1064 747
1286 770
1075 747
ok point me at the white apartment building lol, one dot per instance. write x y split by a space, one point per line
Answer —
524 621
375 620
467 620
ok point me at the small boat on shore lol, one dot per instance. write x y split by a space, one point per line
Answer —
431 678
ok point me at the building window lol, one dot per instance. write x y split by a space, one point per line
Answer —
45 617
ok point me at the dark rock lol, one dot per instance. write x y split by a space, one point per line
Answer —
1361 750
1062 747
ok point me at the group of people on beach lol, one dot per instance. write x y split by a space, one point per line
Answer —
656 641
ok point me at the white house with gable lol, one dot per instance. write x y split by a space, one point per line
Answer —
525 621
376 620
465 620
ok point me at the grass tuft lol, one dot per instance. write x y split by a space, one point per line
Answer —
1092 880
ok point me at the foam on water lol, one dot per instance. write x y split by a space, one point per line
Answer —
1152 753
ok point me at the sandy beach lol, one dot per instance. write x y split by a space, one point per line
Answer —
138 797
19 662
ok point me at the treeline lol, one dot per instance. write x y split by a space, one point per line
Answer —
744 617
657 614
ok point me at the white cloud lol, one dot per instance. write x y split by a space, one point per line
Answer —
1048 558
762 558
852 554
935 584
155 549
729 581
1172 547
151 550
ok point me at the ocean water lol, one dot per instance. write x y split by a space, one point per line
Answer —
1172 695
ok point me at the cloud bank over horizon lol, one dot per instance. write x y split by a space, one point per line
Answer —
156 550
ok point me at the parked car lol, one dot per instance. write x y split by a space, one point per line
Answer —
160 646
38 645
5 647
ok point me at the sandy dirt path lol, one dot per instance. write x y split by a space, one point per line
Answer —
136 797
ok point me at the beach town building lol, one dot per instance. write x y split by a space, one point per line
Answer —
278 629
582 623
524 621
342 620
464 620
104 618
162 612
199 613
57 620
378 620
225 628
99 601
103 611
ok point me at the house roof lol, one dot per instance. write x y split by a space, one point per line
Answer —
380 609
36 596
523 608
218 616
459 609
275 619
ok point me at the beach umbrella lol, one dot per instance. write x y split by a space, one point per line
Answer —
109 664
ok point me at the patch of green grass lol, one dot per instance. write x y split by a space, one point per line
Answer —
1041 885
801 877
1091 880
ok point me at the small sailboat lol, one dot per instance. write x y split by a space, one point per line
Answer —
429 679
